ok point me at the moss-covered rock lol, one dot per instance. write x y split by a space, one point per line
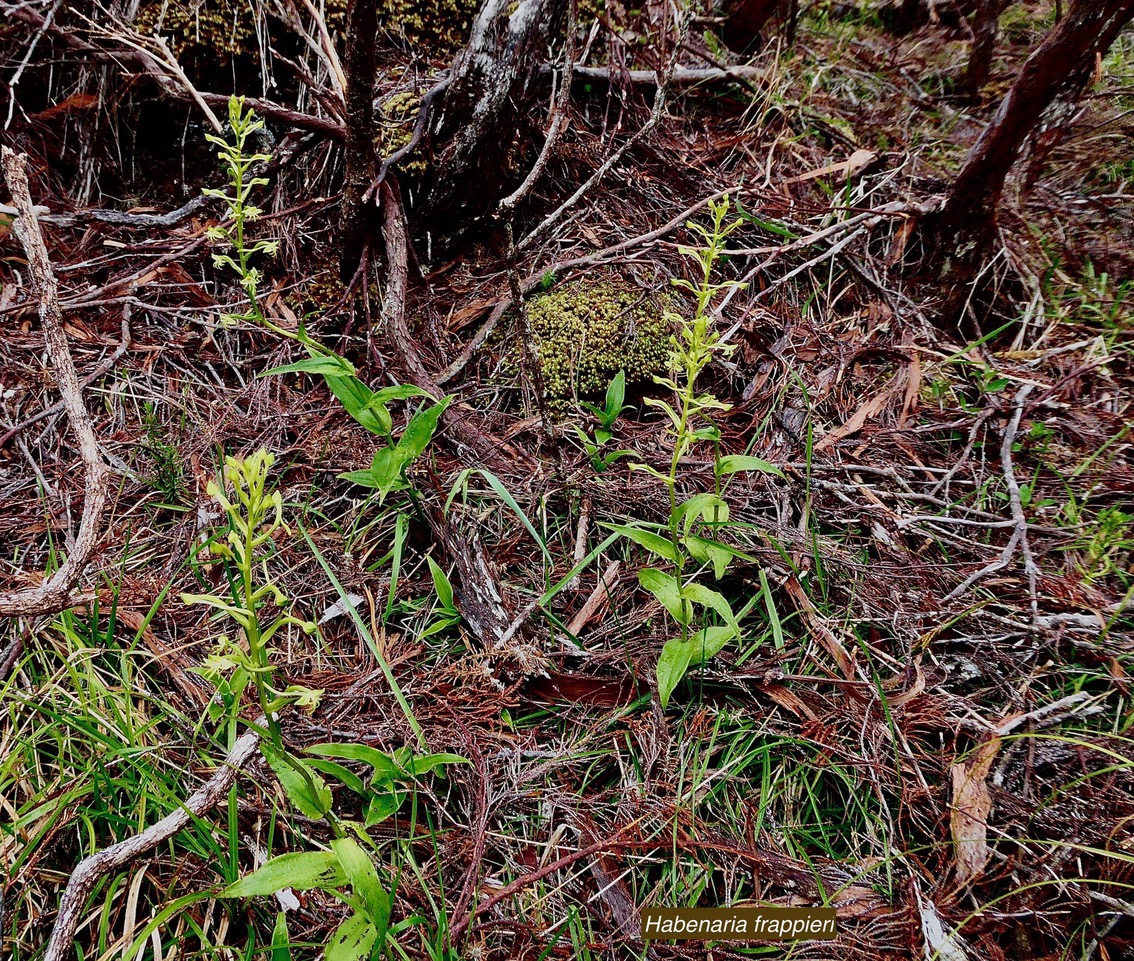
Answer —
588 330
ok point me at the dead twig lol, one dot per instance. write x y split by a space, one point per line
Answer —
418 132
92 868
55 593
554 128
104 368
396 240
660 100
680 77
1019 536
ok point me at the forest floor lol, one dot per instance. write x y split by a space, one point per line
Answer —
924 720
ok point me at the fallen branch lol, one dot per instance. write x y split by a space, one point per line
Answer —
55 593
118 218
482 595
681 77
91 869
487 450
1019 536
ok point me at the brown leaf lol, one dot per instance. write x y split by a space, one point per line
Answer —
972 804
858 419
856 162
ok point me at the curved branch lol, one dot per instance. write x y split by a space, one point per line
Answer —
55 593
90 869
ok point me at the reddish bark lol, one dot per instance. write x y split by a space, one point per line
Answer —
1057 72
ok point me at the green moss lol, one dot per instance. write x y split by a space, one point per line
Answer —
588 330
227 28
443 25
397 118
219 27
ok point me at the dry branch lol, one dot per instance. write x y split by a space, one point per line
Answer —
481 594
490 92
91 869
55 593
681 76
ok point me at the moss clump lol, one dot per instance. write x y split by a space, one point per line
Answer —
221 27
228 28
443 25
587 331
397 119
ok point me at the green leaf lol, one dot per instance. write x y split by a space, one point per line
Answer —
386 470
441 586
382 806
399 392
301 783
385 769
612 456
735 463
655 543
340 773
302 870
773 615
419 431
332 366
437 626
281 944
352 940
708 642
706 596
505 495
710 552
362 876
667 590
672 665
672 414
430 762
653 471
707 506
401 531
355 397
615 395
678 656
381 415
363 478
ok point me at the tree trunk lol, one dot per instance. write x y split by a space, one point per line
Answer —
985 25
473 136
358 218
1058 71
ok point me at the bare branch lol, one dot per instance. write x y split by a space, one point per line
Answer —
55 593
91 869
